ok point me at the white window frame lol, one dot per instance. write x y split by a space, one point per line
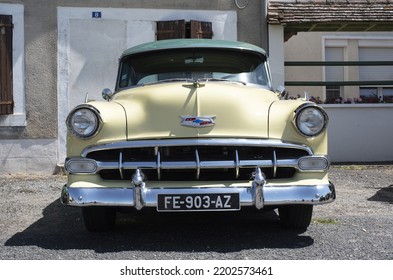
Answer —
18 72
371 40
334 42
375 45
337 69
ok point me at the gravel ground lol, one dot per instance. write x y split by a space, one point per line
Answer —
357 226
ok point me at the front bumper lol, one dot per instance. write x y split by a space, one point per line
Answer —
256 193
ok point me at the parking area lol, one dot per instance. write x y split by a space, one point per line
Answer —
358 225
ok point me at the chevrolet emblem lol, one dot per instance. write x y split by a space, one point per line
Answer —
197 121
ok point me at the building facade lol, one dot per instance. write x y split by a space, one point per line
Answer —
56 54
353 39
341 47
341 52
62 51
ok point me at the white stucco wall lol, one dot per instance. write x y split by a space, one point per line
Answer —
360 132
28 156
276 54
88 48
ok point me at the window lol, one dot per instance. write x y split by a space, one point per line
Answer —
177 29
15 114
387 95
376 94
376 73
6 66
332 93
334 73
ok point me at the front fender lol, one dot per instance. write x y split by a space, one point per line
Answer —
113 128
281 126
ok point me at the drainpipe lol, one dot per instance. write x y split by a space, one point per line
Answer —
264 26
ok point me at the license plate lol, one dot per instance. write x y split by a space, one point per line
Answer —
198 202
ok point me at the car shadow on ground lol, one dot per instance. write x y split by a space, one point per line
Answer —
61 228
383 195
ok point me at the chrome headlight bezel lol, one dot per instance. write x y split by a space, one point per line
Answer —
88 115
310 120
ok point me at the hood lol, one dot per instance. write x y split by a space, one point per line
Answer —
185 110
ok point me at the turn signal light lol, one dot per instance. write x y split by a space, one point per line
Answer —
81 165
313 163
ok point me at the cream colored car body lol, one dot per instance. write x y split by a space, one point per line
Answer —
236 114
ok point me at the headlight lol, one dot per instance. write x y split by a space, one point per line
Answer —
310 120
83 122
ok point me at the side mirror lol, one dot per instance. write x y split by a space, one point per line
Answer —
107 94
281 92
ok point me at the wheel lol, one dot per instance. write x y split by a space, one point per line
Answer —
295 216
98 219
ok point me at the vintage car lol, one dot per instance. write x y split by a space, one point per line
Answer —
194 125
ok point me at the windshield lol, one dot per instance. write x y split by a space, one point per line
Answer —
194 64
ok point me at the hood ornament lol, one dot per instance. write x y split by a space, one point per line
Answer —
197 84
197 121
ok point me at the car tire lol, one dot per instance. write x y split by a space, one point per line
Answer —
99 219
295 216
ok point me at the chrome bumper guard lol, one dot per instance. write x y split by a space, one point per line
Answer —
260 194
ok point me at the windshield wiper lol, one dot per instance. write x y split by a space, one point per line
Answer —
223 80
188 80
195 81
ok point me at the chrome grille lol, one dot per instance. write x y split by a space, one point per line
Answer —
206 159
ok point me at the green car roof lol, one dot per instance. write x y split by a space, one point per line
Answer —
190 43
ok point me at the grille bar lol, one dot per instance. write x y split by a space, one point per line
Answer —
197 159
196 165
195 142
121 166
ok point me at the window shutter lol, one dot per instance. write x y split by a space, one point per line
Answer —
376 73
178 29
6 98
201 29
334 73
173 29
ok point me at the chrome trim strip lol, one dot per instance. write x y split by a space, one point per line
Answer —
198 165
158 165
195 142
237 163
273 195
274 164
121 165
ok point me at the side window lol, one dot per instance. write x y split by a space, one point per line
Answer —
125 79
6 97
